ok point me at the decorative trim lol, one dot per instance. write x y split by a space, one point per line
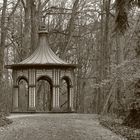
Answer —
15 109
56 109
40 66
71 86
15 86
32 109
31 85
56 86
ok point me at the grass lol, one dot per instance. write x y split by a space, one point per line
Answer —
116 126
3 120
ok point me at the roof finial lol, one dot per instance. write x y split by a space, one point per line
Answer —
42 24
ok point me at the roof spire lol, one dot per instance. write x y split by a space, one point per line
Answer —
42 26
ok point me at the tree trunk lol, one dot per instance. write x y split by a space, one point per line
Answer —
34 26
26 32
70 28
3 37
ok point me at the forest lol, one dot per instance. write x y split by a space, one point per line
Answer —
101 36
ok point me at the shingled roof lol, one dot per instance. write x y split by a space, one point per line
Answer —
43 56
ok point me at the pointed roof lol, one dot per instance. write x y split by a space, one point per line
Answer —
43 56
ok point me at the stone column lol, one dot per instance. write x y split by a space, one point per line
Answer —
56 106
32 98
32 90
15 99
56 88
54 98
71 96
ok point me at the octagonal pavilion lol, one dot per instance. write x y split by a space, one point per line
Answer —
43 64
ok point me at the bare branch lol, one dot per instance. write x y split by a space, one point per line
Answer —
43 4
13 11
23 3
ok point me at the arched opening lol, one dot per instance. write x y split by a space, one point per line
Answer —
23 94
65 94
44 94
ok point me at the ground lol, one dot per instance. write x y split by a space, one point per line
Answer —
56 127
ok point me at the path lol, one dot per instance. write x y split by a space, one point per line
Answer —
56 127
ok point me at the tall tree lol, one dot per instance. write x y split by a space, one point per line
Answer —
123 7
3 37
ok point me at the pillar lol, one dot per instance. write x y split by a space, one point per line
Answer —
32 90
71 96
56 106
56 89
32 98
15 99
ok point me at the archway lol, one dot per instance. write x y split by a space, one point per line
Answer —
44 94
23 94
65 94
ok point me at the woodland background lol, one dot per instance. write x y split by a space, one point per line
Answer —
101 36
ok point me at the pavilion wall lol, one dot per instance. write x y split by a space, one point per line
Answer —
32 75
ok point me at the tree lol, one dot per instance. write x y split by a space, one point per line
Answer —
123 8
5 23
3 37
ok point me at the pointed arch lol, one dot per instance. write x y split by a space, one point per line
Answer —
23 93
65 85
20 78
67 79
44 93
45 77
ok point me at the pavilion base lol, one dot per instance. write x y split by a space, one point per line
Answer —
31 109
55 110
15 110
71 109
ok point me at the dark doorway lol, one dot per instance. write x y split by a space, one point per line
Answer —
44 95
23 95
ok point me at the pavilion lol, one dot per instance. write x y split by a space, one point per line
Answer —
43 64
